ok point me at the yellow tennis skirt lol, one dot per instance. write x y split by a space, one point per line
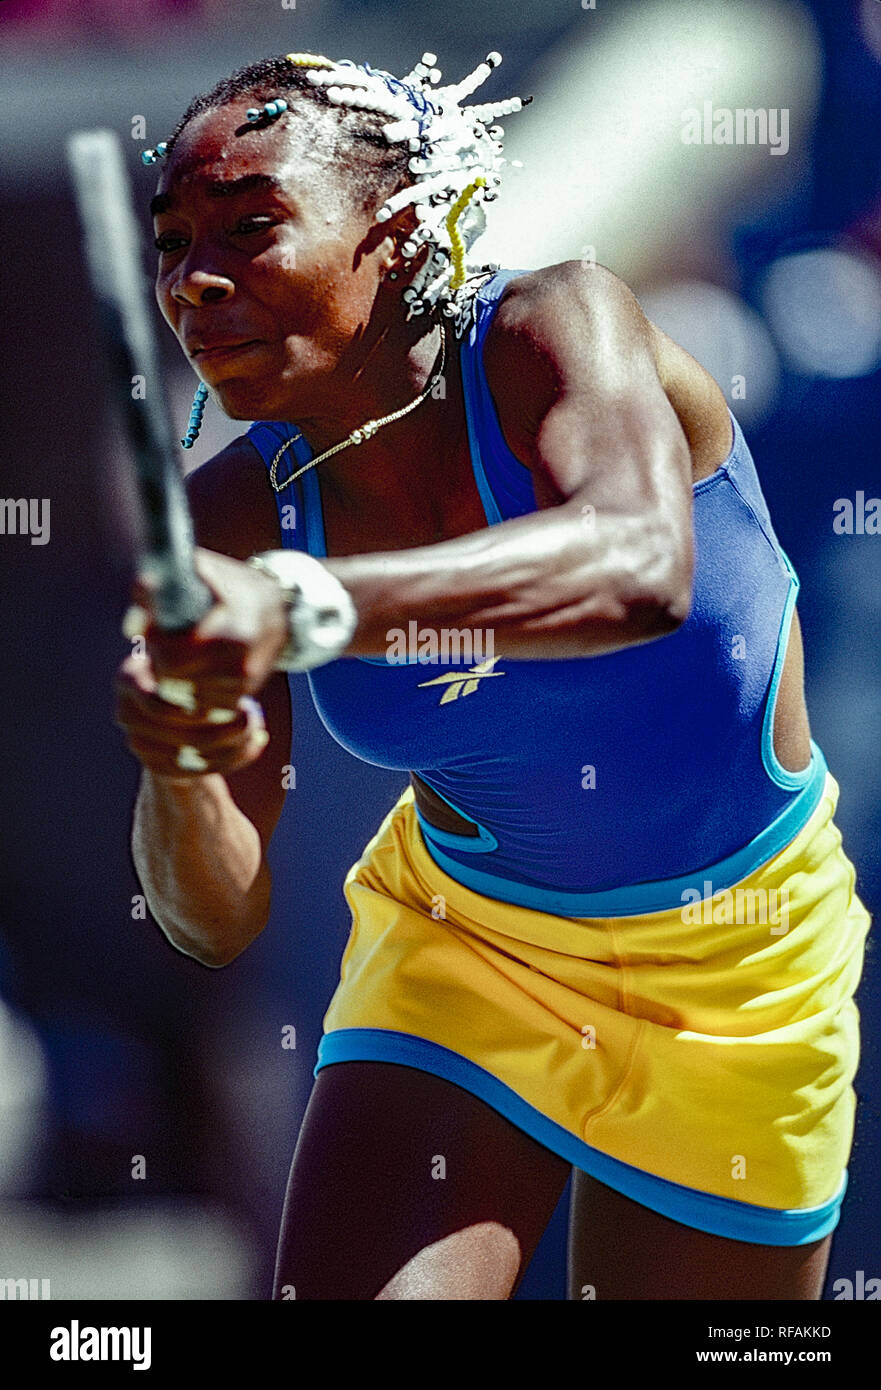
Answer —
700 1064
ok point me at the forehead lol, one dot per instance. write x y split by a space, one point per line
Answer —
221 146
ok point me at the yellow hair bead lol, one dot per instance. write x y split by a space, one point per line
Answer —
309 60
457 246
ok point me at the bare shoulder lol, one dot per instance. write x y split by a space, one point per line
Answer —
570 330
577 325
232 502
557 303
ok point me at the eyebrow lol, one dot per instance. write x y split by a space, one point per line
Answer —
222 188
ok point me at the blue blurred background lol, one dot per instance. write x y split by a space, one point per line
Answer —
115 1048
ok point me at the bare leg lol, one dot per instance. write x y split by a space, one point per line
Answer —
405 1186
624 1251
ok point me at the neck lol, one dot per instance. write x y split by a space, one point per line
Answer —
384 382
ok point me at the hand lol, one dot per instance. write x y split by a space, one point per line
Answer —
193 691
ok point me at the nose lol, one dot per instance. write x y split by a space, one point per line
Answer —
202 287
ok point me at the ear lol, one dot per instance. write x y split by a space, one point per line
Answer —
387 239
405 261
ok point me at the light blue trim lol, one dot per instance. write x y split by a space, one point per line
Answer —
490 506
482 843
662 894
315 540
704 1211
383 661
790 781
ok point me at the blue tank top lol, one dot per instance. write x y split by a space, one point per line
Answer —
601 786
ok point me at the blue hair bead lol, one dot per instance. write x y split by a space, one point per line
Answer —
152 156
270 112
197 410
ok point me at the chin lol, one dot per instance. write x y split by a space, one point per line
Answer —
259 398
240 401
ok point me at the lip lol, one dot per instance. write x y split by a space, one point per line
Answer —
217 351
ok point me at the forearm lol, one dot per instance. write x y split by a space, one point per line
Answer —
557 583
201 865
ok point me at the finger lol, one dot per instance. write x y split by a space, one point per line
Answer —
190 656
176 760
208 740
164 760
135 621
175 691
138 703
215 699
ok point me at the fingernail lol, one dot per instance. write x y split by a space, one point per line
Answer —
253 708
134 623
261 737
190 759
177 692
221 716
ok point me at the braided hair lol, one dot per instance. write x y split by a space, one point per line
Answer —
405 141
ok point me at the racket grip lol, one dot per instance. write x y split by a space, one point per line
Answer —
180 603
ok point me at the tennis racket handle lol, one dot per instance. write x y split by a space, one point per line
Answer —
180 600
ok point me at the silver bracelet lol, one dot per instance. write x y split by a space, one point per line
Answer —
321 615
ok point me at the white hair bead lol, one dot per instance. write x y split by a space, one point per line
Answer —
449 148
415 193
400 130
440 282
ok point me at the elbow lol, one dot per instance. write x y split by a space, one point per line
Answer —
651 599
217 961
216 954
221 931
215 957
655 617
671 604
667 581
218 947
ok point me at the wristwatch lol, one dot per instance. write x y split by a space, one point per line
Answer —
321 615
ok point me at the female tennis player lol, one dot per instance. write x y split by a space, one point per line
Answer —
609 926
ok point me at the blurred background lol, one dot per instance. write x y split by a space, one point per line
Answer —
148 1107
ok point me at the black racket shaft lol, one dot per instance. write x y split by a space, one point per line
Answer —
113 253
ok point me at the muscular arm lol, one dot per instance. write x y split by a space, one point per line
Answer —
199 843
607 560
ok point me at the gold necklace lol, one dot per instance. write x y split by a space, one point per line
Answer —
363 432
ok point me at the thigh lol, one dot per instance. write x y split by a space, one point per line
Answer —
625 1251
405 1186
